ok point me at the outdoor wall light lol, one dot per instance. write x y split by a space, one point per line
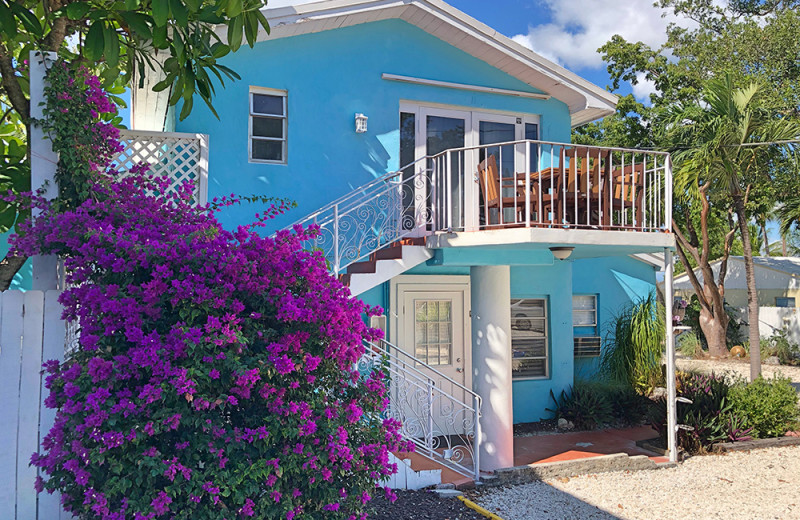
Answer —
562 253
361 123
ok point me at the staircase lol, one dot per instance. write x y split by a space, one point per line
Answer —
384 264
368 237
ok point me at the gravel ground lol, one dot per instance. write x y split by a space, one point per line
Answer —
757 485
736 366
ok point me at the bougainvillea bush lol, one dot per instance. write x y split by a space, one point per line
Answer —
216 376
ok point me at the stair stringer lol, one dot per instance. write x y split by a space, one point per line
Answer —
385 270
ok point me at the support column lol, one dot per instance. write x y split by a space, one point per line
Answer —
43 165
672 414
491 362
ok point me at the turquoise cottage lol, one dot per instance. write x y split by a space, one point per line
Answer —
428 149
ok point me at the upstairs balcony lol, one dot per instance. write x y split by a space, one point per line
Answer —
506 194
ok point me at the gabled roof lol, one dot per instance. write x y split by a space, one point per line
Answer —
585 100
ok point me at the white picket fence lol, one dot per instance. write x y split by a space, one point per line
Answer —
31 332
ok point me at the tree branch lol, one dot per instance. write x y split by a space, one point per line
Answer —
12 87
9 266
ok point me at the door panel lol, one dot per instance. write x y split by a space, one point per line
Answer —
433 330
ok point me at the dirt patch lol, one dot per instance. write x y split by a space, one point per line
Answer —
420 505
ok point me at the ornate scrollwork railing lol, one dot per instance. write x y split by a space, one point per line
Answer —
438 414
383 211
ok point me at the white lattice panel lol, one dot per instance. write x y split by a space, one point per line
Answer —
180 157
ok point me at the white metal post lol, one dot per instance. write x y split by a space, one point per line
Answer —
43 164
672 416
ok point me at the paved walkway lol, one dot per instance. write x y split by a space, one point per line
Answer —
581 445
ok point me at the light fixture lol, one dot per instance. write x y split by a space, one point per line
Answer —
562 252
361 123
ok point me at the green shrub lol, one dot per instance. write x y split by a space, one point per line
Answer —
583 406
634 345
709 416
592 404
768 406
779 345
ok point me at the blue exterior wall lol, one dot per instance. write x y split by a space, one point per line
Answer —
616 281
331 76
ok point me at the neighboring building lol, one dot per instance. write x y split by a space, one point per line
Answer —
777 281
461 248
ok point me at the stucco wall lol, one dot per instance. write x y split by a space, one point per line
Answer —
616 281
329 77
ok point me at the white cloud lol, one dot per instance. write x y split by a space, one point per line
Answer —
643 88
579 27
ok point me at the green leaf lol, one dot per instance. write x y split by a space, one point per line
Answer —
137 22
111 46
250 29
94 42
77 10
160 12
8 22
234 8
179 12
218 50
131 5
187 109
235 33
193 5
29 20
160 36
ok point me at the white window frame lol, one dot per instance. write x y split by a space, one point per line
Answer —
594 322
250 137
546 356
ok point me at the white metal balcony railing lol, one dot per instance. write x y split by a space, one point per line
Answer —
515 184
439 415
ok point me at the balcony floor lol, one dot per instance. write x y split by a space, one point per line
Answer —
588 243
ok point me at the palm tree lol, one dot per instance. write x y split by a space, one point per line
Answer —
730 134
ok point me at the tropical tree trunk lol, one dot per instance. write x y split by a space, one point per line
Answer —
752 291
715 329
764 236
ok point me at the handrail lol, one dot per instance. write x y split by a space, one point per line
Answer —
626 189
439 415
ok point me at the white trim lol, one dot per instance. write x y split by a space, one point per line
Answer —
266 91
463 86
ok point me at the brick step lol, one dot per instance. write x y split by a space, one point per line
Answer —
420 463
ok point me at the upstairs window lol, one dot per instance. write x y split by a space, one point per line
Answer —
267 126
784 302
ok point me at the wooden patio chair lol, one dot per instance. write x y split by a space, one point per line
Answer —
492 187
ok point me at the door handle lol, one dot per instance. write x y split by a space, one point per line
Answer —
459 369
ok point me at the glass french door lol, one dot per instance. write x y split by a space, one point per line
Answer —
448 190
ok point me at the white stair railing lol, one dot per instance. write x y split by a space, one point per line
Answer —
438 414
373 216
